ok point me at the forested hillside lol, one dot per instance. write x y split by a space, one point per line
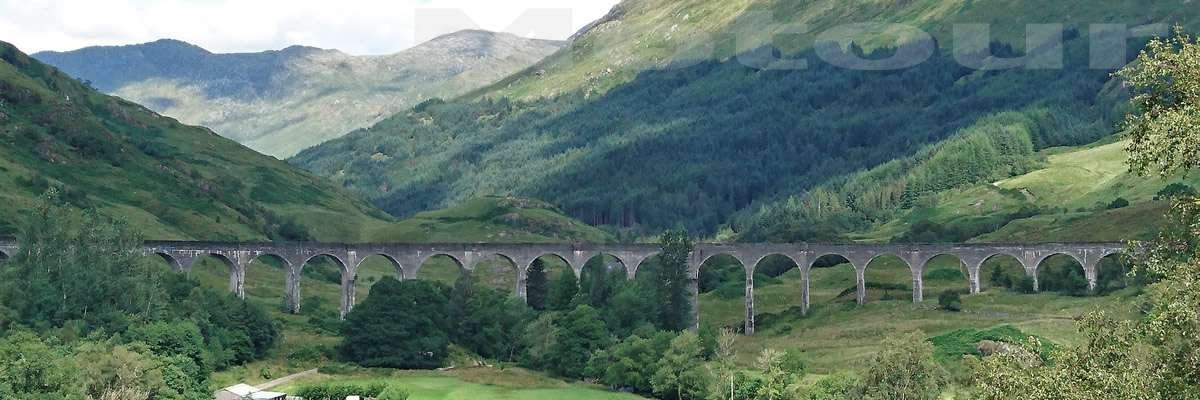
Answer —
694 146
640 35
279 102
169 180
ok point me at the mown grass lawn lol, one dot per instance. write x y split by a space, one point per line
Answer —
478 383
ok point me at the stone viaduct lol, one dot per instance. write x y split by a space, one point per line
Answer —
408 259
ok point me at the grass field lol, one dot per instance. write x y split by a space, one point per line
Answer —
1071 193
478 383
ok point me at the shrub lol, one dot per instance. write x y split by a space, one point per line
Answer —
393 392
339 391
959 342
950 300
838 386
310 353
1175 190
1025 285
904 369
1120 202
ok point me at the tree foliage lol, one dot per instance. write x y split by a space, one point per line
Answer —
1157 357
398 325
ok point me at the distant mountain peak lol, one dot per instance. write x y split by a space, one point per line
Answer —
282 101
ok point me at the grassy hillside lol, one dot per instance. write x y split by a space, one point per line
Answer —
645 34
694 146
1071 195
171 181
280 102
492 220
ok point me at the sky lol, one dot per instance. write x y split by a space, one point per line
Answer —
360 27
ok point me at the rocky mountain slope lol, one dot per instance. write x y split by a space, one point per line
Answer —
280 102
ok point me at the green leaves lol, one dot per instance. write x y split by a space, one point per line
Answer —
1165 80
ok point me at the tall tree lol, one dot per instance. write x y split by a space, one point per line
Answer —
680 375
536 285
563 292
80 266
673 278
579 333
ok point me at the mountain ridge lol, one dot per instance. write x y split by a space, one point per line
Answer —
281 101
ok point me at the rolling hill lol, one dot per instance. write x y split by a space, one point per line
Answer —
280 102
170 180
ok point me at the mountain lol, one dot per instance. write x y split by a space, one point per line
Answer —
602 133
640 35
170 180
280 102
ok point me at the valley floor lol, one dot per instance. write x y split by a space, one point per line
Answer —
835 336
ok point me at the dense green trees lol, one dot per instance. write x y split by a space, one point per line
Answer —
487 321
579 333
399 325
86 316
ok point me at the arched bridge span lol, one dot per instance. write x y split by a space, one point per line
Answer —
408 259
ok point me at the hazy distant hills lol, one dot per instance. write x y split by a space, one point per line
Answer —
280 102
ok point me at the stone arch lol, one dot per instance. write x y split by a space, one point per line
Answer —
171 261
783 268
830 261
507 277
222 257
886 276
929 279
294 274
264 267
1037 262
725 285
565 260
599 279
396 265
992 271
1067 279
883 254
758 261
600 254
1109 273
338 261
423 270
537 289
235 271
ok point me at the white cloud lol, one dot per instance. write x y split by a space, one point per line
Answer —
353 26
